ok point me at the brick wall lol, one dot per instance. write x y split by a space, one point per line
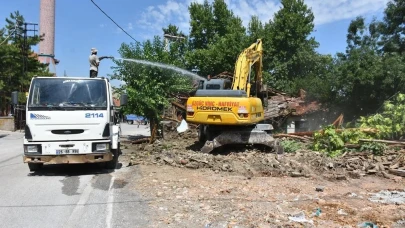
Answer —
7 124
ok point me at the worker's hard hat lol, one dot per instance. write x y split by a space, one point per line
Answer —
93 50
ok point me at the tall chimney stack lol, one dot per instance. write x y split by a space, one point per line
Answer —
47 28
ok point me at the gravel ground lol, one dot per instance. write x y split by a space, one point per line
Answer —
249 187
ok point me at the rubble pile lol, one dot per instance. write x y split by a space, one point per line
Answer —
280 104
357 164
182 150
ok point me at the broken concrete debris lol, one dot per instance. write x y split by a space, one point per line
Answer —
320 188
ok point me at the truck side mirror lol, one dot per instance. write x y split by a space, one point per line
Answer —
14 97
123 99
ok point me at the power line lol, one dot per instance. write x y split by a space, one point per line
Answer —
115 22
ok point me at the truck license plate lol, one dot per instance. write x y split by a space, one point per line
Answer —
67 151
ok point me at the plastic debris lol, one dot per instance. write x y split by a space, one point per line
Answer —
317 212
367 225
400 223
353 194
300 217
341 212
183 127
388 197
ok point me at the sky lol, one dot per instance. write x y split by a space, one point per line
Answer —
80 25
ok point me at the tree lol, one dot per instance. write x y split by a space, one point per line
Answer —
366 75
217 37
359 69
320 82
149 88
289 49
255 30
202 27
393 27
13 52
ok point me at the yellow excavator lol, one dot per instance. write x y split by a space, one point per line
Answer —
231 112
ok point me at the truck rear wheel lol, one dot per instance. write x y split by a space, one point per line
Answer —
35 166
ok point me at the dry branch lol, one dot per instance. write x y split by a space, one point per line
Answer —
178 105
305 133
141 140
171 119
291 136
352 146
398 172
311 133
338 122
383 141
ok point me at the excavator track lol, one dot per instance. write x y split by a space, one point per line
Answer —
246 136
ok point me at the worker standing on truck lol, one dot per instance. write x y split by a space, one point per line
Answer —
95 62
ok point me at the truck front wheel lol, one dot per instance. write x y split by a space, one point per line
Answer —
114 162
35 166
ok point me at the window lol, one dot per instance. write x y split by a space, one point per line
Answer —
68 93
213 86
301 125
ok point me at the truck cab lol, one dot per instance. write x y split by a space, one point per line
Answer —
70 121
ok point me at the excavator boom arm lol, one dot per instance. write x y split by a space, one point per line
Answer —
251 56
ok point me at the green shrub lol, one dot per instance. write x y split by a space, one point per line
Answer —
290 146
375 148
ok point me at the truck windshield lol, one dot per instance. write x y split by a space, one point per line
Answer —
67 94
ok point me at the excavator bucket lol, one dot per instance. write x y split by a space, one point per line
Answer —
243 137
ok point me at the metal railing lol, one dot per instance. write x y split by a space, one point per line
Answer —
19 117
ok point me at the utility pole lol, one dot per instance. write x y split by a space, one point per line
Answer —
25 45
18 110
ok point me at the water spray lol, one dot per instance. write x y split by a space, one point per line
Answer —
165 66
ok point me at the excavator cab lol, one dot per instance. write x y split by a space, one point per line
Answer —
215 84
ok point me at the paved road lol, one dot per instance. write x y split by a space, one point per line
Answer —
134 130
66 196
